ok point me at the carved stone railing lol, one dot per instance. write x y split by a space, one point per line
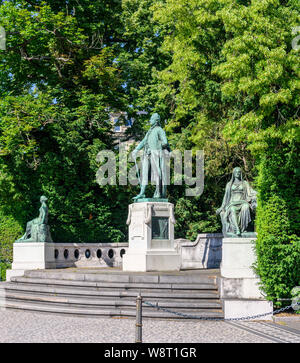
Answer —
89 254
204 252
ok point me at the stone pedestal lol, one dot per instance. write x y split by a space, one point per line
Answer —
151 238
31 256
239 286
238 255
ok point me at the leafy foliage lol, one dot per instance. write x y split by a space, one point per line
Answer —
278 216
58 83
10 230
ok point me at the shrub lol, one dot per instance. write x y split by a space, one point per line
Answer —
278 242
10 230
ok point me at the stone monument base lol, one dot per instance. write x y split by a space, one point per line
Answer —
151 261
238 255
242 308
151 238
31 256
239 285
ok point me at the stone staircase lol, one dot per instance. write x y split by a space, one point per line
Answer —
112 292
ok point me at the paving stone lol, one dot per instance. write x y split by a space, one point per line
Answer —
28 327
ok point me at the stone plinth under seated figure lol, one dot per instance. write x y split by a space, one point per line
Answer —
151 238
239 285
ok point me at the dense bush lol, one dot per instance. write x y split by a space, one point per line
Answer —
3 267
278 217
10 230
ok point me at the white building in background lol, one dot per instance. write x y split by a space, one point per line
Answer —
117 120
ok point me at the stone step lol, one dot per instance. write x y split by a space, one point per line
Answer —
100 302
109 285
120 276
112 312
113 292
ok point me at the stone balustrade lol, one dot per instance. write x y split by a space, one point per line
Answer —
89 254
204 252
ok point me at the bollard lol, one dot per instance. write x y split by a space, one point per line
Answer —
139 325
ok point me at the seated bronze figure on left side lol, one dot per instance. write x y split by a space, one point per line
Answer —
37 230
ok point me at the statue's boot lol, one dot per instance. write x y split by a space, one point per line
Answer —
26 234
238 232
142 193
22 238
164 191
156 195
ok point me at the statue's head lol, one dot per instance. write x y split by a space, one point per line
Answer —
43 199
237 173
155 119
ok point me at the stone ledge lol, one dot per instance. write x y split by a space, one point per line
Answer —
240 288
242 308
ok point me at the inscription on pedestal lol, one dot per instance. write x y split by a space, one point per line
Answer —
160 228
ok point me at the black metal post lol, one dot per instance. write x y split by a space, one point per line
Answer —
139 317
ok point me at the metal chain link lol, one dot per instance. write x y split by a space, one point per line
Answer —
220 319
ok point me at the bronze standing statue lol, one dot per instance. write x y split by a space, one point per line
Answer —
155 144
235 211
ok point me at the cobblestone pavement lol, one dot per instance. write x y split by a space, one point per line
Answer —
20 326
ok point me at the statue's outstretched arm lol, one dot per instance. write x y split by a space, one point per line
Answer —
141 144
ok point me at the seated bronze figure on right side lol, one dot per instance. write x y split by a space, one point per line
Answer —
238 202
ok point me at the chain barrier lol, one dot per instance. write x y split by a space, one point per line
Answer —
183 315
